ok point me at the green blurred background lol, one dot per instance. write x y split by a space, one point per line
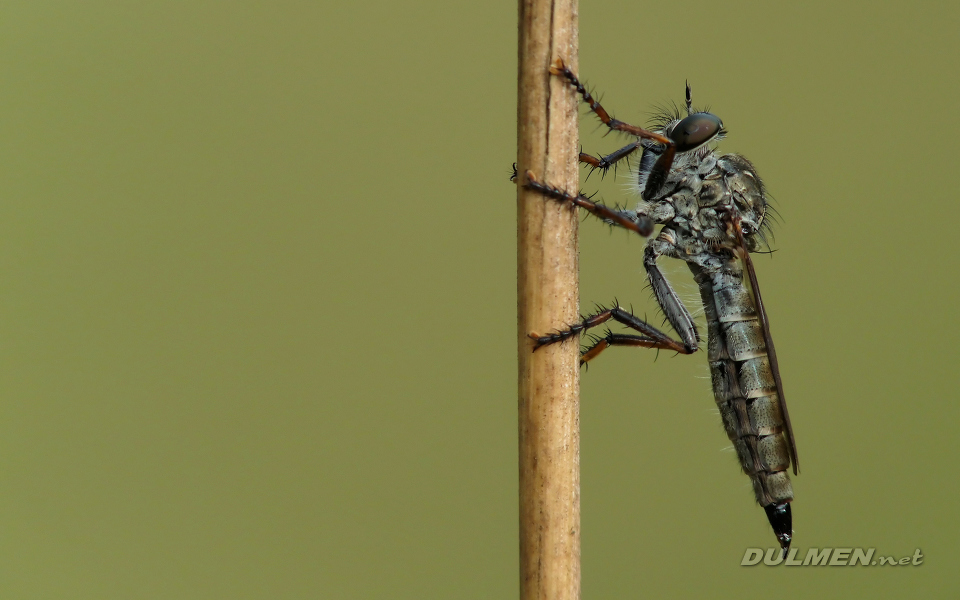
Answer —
257 283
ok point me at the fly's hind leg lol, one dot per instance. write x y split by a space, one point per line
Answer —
651 336
667 298
676 313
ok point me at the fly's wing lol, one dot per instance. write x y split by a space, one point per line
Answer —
768 339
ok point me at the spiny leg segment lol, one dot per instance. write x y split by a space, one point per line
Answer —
651 338
676 313
661 169
631 220
603 163
560 69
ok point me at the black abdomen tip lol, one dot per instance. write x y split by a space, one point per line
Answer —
782 522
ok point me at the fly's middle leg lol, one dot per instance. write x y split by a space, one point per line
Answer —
631 220
651 337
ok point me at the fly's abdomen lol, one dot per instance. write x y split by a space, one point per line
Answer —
743 383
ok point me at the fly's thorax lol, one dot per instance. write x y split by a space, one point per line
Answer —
685 177
703 191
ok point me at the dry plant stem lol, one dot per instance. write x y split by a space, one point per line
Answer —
549 409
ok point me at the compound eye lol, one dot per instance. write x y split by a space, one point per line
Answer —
695 131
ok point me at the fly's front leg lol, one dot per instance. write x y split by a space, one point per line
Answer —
660 170
560 69
603 163
651 338
631 220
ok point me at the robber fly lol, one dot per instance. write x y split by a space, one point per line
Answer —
712 209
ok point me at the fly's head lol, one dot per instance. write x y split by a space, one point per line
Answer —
693 138
694 131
